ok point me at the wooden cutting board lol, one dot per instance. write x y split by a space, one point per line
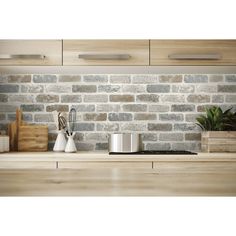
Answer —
33 138
26 137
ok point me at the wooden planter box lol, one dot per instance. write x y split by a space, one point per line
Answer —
218 141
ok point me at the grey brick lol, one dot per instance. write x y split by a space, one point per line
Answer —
47 98
145 116
182 108
134 88
84 126
170 78
32 107
191 146
173 98
135 107
145 79
195 78
159 108
44 78
101 146
120 117
171 137
147 98
108 127
108 88
3 97
158 88
3 127
59 108
230 78
84 88
171 117
43 118
95 116
58 88
191 117
216 78
9 88
71 98
185 127
79 137
2 117
19 78
96 137
159 127
217 98
98 98
133 127
206 88
202 108
158 146
84 146
186 88
32 88
121 98
69 78
149 137
84 108
108 108
196 98
120 79
230 98
193 136
95 78
21 98
3 79
227 88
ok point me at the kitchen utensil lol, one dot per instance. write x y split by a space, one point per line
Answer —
124 143
70 146
60 143
72 120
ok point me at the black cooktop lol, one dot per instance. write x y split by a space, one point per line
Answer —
150 152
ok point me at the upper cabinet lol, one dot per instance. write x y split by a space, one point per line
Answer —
106 52
31 52
192 52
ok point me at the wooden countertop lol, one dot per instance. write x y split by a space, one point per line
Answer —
104 156
114 182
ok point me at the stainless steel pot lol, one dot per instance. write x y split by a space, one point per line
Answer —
126 142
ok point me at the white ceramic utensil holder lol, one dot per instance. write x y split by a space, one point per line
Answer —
60 143
70 146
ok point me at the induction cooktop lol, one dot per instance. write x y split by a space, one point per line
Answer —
155 152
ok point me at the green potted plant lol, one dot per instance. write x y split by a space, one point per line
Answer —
219 130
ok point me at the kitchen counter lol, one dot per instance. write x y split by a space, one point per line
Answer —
101 174
104 156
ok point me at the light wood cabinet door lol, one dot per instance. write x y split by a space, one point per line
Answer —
104 165
31 52
28 165
193 52
195 167
105 52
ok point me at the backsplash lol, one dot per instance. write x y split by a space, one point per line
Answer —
161 107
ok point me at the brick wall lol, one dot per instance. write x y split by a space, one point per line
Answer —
161 107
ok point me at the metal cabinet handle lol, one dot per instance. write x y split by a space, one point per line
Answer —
22 56
104 56
180 56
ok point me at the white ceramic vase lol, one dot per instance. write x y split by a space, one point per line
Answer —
60 143
70 146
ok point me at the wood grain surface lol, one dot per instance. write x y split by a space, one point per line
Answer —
114 182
